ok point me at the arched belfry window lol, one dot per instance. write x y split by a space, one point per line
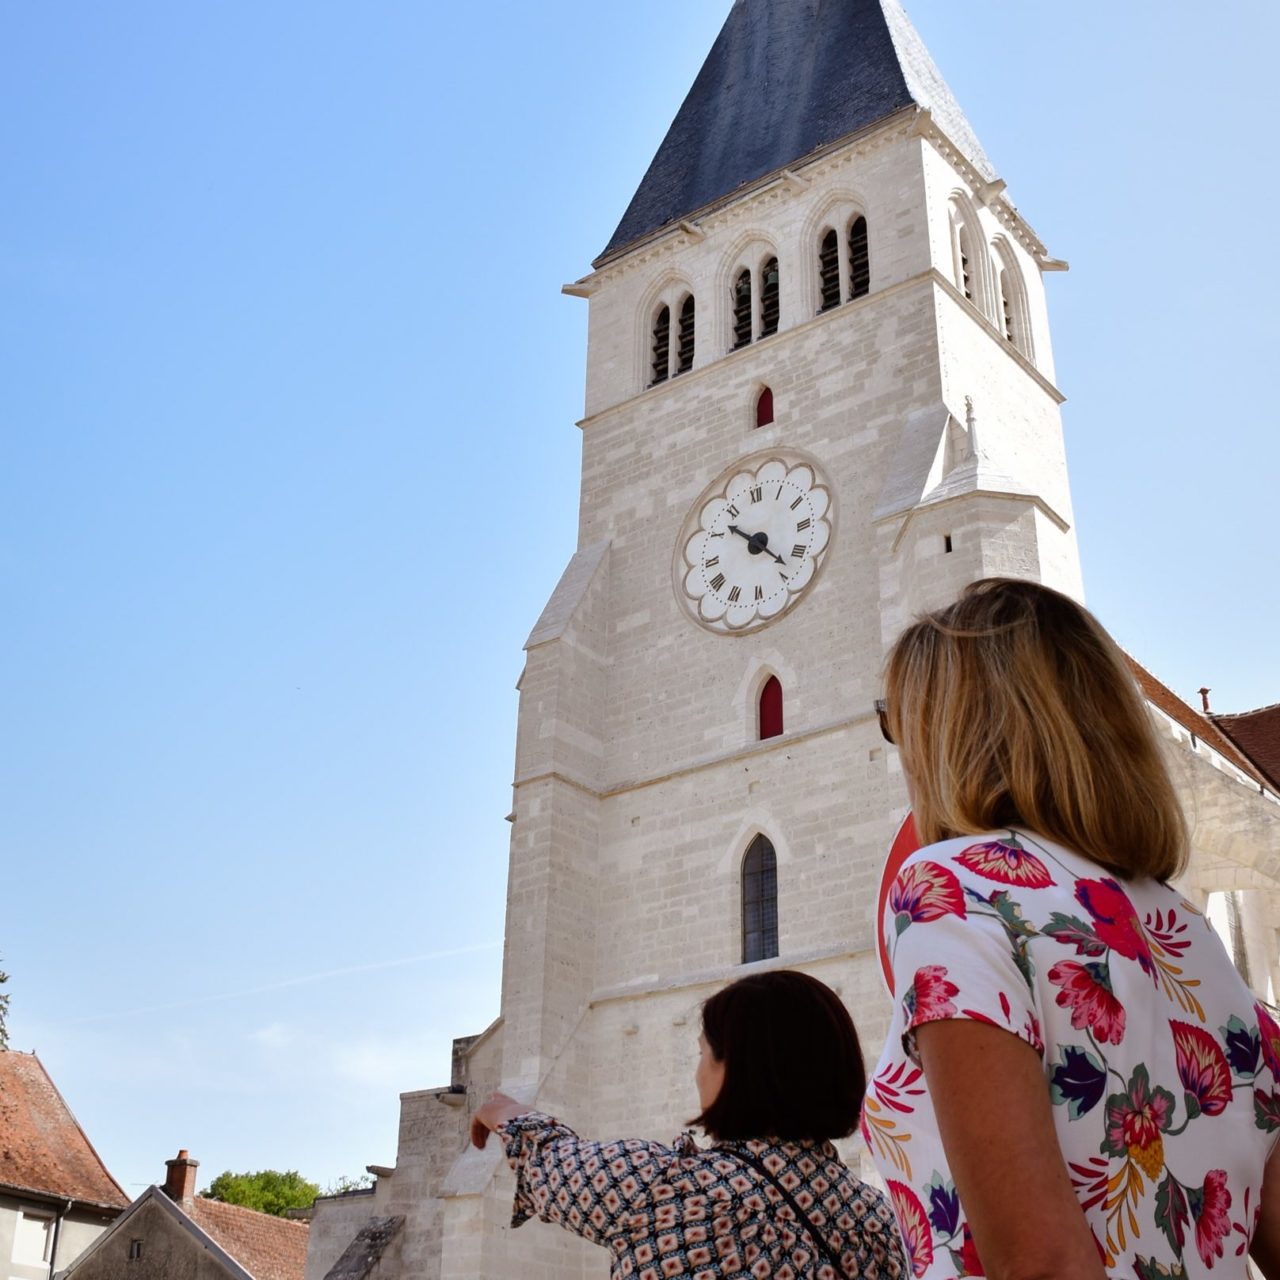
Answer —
859 259
965 262
684 352
764 407
759 902
661 345
770 717
742 310
769 304
1013 320
829 271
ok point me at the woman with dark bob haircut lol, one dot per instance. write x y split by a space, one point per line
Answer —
779 1075
1083 1082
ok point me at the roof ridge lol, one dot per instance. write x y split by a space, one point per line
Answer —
1215 737
84 1137
1236 715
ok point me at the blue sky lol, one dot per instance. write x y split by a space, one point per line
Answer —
289 469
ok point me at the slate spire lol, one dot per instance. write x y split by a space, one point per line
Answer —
784 78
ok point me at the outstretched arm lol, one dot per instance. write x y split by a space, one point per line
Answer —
548 1157
989 1095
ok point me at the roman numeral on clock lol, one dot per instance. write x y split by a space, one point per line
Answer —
733 511
757 492
711 564
797 552
803 525
797 502
717 582
735 595
759 593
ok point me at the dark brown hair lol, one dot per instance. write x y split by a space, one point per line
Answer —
1013 707
792 1062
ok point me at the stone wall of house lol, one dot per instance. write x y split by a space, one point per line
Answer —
166 1252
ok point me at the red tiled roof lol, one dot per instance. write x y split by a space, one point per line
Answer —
1257 734
42 1147
269 1248
1191 720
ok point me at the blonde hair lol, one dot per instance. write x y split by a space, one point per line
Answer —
1013 707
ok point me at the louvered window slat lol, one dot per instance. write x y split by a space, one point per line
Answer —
829 270
859 259
684 353
769 302
661 345
742 310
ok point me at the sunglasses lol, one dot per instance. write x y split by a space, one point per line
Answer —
882 713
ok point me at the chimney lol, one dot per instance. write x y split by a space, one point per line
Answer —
180 1181
1204 697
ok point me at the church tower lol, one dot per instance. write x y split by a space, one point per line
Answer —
820 398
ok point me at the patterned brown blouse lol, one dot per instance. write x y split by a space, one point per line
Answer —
664 1212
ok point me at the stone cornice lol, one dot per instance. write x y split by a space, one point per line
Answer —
991 194
750 751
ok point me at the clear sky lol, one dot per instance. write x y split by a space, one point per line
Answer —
289 468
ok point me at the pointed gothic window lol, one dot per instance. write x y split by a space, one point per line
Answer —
764 408
859 259
661 345
829 271
769 305
759 902
964 262
771 708
684 353
742 310
1006 307
1013 319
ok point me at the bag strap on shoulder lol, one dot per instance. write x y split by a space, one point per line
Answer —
802 1218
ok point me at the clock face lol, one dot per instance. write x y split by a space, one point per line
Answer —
753 542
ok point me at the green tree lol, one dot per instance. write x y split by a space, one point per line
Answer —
4 1012
268 1191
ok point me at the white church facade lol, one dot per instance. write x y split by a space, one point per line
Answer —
820 398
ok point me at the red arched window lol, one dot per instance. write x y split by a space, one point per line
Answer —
764 408
771 708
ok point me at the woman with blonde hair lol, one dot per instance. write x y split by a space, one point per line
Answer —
1076 1082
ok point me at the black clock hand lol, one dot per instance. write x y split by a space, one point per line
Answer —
757 542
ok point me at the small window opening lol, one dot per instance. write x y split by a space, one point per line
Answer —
764 408
966 273
769 305
1006 306
829 271
742 310
135 1249
661 345
684 353
771 708
859 260
759 902
946 543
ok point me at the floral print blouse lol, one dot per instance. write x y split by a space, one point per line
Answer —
682 1211
1162 1069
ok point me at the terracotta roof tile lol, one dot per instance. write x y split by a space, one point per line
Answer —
1257 734
42 1147
269 1248
1191 720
